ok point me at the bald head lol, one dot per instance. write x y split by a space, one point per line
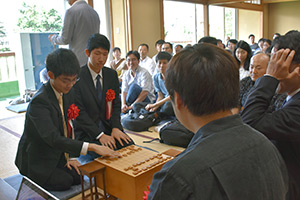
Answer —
258 65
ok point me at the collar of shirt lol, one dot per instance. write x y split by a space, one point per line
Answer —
57 94
77 2
292 94
94 76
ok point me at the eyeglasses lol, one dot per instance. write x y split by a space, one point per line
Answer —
68 81
131 60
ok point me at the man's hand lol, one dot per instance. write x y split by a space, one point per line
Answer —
104 151
107 141
119 135
50 37
152 107
124 108
75 164
279 65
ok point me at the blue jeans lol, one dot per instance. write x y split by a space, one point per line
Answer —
133 93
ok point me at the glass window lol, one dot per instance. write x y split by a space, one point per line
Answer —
183 22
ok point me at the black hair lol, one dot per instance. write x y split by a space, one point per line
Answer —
135 53
159 42
233 41
62 61
98 41
179 45
163 55
201 75
251 36
146 45
208 39
169 43
116 48
245 46
291 41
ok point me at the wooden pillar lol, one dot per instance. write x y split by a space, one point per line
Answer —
91 3
206 20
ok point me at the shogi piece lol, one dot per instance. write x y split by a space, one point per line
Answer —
97 171
128 177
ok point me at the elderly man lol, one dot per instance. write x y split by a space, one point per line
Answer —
281 126
258 67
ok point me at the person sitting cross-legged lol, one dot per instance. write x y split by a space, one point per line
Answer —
137 85
163 104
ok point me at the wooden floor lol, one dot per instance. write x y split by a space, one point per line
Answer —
11 129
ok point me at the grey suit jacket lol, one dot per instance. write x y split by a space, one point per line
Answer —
43 142
81 21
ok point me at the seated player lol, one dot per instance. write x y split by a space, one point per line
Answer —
137 85
225 159
45 151
97 96
163 103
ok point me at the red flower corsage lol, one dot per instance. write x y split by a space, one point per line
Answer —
110 96
146 193
73 112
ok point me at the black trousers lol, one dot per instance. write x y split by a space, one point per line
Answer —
62 177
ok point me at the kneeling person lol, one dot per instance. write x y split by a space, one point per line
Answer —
225 159
97 96
45 148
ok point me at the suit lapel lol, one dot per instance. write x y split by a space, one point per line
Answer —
54 101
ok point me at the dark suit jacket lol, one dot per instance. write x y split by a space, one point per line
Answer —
225 160
43 143
281 126
92 111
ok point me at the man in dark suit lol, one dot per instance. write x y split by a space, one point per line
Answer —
97 96
226 159
283 125
44 149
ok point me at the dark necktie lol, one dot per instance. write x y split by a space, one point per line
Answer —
98 88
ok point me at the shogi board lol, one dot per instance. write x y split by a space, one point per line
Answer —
128 177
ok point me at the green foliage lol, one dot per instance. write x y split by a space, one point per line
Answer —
33 19
3 42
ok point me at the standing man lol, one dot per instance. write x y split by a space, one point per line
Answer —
81 21
225 159
145 60
282 126
97 96
46 147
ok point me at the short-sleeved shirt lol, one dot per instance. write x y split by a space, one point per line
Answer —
159 85
142 78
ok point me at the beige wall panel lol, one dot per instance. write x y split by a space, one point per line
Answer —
249 23
119 25
283 17
146 21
